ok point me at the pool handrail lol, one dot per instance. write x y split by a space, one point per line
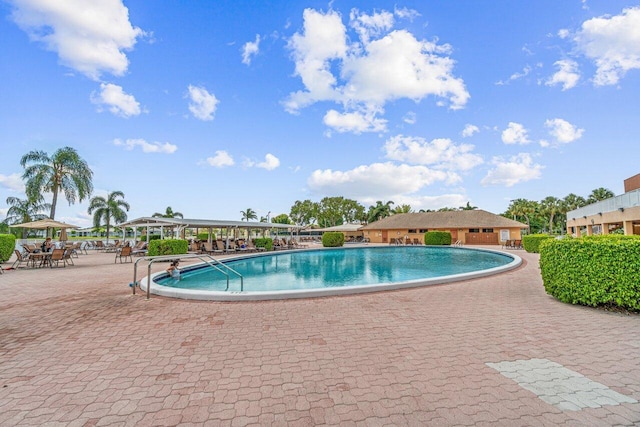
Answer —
202 257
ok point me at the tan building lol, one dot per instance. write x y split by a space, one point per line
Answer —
472 227
609 215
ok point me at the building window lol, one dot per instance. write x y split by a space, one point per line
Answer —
487 230
412 231
423 230
474 230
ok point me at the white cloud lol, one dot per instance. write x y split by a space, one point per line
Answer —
368 26
203 104
440 153
250 49
220 160
563 131
381 66
13 182
355 122
409 118
405 13
563 33
3 212
147 147
88 36
613 43
567 74
271 162
515 133
517 169
119 103
378 180
469 130
516 76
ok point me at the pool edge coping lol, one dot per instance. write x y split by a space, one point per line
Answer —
228 296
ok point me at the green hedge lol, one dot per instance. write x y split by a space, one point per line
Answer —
264 242
332 239
437 238
531 242
168 247
593 271
204 237
7 245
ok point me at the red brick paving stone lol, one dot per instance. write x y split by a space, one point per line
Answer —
79 342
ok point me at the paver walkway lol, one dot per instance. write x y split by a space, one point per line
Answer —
76 348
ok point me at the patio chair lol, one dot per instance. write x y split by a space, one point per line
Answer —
21 259
57 256
140 250
67 256
124 253
100 245
416 241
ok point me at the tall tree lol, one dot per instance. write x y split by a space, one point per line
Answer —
281 219
600 194
523 208
64 171
106 209
379 211
25 210
304 213
468 207
248 214
550 206
400 209
168 213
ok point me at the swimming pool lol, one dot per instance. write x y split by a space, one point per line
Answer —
323 272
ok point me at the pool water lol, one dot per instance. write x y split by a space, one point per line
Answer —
340 267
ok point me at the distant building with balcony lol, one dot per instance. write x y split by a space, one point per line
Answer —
606 216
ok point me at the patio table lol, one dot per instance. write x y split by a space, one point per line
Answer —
44 258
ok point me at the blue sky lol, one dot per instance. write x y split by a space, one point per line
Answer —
215 107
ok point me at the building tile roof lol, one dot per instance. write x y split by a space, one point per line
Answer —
476 218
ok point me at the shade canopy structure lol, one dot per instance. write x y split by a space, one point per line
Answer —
44 224
180 224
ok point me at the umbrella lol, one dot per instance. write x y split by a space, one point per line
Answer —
44 223
63 235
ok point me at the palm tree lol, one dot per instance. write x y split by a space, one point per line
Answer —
402 209
468 207
248 214
523 208
107 209
65 171
25 211
550 206
600 194
379 211
168 213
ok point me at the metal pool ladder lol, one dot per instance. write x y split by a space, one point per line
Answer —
207 259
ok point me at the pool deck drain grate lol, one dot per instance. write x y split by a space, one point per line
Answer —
561 387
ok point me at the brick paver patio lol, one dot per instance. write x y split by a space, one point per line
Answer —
76 348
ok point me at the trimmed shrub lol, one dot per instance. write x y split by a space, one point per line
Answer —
151 237
437 238
168 247
264 242
7 245
332 239
593 271
531 242
204 237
